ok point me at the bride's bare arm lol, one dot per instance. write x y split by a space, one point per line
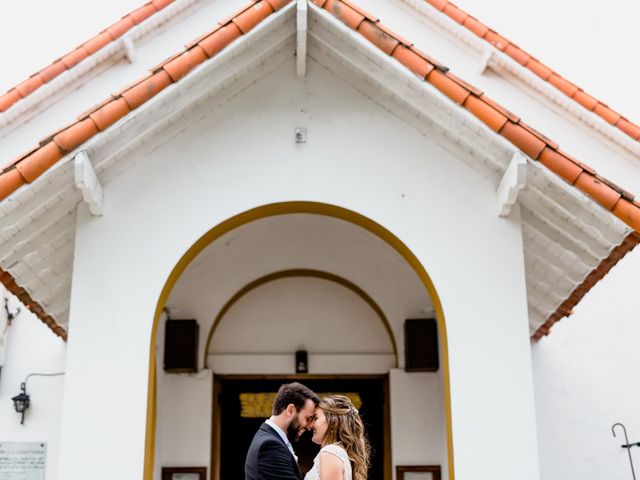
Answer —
331 467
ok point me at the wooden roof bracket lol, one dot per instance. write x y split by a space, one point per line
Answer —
88 183
513 180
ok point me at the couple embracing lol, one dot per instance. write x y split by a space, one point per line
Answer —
336 426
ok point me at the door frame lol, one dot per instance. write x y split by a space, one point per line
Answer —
218 379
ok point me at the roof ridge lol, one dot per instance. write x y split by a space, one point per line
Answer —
622 204
80 53
534 65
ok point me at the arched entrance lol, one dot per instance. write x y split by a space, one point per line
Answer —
288 208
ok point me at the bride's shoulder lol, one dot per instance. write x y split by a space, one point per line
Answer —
333 448
336 450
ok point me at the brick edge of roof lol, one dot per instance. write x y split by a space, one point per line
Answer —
80 53
29 167
566 308
21 294
534 65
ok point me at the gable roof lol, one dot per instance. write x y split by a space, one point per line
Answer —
29 167
543 71
78 54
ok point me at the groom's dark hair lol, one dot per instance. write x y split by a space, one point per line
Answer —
294 393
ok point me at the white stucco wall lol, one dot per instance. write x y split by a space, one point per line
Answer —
586 380
218 168
32 348
418 426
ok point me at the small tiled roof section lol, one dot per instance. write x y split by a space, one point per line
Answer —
71 59
536 66
27 168
21 294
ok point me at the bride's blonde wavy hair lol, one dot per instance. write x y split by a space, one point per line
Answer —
344 426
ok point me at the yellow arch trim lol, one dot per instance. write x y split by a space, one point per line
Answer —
303 273
286 208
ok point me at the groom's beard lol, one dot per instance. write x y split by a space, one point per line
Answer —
293 428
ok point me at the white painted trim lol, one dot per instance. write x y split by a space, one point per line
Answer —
129 48
88 183
513 180
301 37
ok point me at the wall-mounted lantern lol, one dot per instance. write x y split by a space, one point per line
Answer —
22 401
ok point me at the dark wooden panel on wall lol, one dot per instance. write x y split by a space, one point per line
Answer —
181 346
421 345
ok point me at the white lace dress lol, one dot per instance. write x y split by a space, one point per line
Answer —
338 451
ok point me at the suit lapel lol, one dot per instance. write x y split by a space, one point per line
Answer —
271 431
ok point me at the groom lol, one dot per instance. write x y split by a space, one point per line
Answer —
271 455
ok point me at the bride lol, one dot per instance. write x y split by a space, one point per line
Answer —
339 430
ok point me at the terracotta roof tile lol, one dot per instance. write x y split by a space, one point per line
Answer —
599 191
110 113
438 4
10 181
75 135
523 139
432 61
344 13
628 212
586 100
121 27
629 128
141 14
147 88
30 85
467 86
369 16
412 61
511 116
562 84
540 69
455 13
496 40
517 54
277 4
485 112
537 67
160 4
219 39
448 86
560 164
38 162
378 37
400 38
252 16
606 113
477 27
185 62
8 99
78 54
52 71
544 138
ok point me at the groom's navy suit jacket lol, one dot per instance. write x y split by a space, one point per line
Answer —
269 458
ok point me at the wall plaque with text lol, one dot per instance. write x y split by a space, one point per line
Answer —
22 460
